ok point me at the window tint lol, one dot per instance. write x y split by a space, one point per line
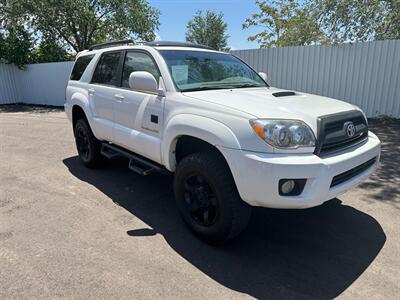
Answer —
138 61
107 69
80 66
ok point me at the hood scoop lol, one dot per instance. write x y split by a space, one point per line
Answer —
284 94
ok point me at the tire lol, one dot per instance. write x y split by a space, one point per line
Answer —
87 145
208 199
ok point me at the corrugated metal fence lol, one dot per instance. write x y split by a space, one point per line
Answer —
37 84
365 74
9 92
44 83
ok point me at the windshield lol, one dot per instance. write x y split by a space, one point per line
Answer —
203 70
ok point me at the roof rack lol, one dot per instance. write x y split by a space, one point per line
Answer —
151 44
112 44
176 44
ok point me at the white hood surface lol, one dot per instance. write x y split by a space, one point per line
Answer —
261 103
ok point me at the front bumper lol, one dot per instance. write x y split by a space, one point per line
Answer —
257 174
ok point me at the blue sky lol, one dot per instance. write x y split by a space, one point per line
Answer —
175 14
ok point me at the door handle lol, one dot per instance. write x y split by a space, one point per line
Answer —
119 97
91 91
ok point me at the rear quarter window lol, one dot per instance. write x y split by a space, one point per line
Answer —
80 66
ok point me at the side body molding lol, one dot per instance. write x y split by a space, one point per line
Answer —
206 129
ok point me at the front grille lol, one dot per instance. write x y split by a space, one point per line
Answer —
332 136
343 177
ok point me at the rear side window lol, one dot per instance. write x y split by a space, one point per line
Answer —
106 71
138 61
80 66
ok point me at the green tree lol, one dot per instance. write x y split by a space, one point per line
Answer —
348 20
389 28
2 48
50 50
208 28
81 23
285 23
16 46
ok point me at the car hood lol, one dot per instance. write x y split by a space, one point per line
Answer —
261 103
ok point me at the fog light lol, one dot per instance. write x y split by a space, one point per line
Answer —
287 186
291 187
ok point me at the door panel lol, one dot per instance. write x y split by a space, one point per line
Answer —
101 90
134 129
139 116
101 101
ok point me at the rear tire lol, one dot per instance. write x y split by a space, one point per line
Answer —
208 199
87 145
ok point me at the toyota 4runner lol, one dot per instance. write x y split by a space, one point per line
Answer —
230 139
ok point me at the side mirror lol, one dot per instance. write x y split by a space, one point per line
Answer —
143 82
263 76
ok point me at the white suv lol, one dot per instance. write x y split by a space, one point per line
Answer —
230 139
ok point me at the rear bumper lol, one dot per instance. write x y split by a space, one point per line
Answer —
257 174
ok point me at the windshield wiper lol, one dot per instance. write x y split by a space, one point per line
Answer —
245 85
205 88
221 87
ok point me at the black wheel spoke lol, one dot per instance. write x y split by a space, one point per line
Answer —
194 206
200 200
188 187
200 179
82 142
206 216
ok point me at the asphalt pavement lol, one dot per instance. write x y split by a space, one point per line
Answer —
73 233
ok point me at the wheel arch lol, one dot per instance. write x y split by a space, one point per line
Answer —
77 114
195 131
80 109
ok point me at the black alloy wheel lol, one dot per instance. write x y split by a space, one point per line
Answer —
82 144
207 197
200 200
89 148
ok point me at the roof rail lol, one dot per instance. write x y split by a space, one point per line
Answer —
150 44
176 44
112 44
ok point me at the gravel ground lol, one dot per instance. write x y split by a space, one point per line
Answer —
70 232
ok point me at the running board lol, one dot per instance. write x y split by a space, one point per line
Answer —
137 164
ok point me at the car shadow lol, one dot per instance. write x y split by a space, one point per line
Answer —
313 253
384 185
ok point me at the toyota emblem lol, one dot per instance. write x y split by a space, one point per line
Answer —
350 129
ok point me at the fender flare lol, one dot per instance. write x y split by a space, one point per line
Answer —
206 129
78 99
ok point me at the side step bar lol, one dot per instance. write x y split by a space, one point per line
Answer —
137 163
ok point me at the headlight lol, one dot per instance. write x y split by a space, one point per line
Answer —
289 134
